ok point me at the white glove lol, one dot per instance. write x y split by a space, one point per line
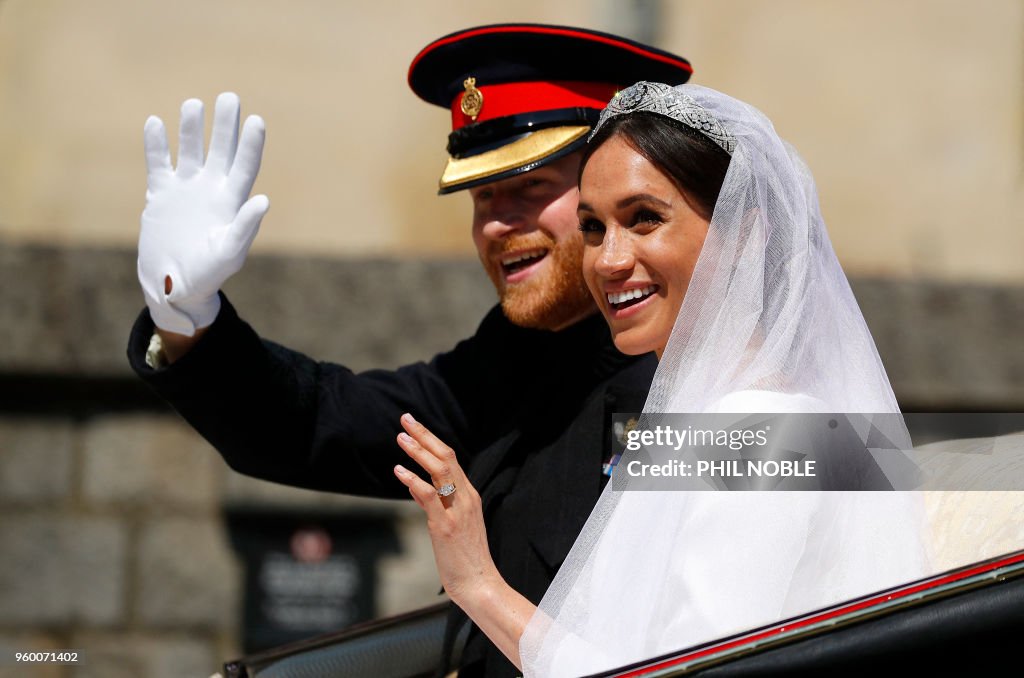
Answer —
198 224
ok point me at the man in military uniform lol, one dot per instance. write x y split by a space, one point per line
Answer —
526 401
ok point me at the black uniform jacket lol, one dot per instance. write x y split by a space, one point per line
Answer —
527 411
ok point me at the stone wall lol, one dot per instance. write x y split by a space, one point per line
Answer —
66 311
114 544
111 507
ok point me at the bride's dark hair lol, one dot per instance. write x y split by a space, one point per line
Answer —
693 162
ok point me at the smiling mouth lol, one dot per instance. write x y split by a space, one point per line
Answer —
517 262
627 298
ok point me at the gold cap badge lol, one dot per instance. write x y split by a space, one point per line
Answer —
472 98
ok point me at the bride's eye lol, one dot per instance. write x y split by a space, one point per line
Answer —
591 226
645 216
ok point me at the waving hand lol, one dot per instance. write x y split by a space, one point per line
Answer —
199 221
455 521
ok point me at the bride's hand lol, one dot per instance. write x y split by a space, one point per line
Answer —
456 524
455 521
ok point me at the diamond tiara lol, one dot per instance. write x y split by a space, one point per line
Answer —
661 99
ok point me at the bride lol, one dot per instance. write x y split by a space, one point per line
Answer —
704 243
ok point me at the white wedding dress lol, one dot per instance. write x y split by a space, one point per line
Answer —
733 561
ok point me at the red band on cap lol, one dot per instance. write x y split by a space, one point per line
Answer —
552 30
513 98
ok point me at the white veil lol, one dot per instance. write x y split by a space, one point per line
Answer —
768 324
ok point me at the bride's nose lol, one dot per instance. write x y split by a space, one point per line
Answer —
616 257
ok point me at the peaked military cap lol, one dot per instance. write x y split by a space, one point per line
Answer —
522 95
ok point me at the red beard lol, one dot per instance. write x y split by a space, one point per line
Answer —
551 298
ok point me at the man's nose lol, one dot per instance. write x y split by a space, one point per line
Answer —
504 217
616 257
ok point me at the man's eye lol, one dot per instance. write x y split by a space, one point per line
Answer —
591 226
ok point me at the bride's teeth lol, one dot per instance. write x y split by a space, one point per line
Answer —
629 295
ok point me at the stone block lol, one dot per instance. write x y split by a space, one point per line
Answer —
243 490
69 310
35 460
32 331
363 313
61 570
66 308
149 461
947 345
186 575
30 642
133 655
408 580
